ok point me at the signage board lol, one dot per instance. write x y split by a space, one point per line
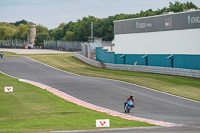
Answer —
176 21
8 89
103 123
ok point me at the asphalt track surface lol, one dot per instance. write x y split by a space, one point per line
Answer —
111 94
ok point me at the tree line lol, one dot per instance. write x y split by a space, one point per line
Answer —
80 30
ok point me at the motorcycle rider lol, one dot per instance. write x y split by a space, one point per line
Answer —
2 54
130 99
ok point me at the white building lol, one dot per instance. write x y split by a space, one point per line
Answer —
177 33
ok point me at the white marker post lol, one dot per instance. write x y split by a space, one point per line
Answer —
103 123
8 89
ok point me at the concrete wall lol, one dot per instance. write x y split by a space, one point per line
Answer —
152 69
149 69
87 60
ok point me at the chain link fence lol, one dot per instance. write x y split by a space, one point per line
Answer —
13 43
85 48
64 45
89 49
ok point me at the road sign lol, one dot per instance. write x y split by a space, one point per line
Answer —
103 123
8 89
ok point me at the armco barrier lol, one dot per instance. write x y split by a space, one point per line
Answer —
137 68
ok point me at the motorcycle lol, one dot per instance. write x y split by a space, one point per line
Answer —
128 106
1 54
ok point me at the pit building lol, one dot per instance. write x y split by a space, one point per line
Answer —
177 33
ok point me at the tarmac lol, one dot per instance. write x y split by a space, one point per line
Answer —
33 51
111 94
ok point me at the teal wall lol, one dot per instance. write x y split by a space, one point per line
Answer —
103 55
179 61
118 59
131 58
159 60
187 61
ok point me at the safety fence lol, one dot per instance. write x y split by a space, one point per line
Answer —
63 45
13 43
137 68
89 49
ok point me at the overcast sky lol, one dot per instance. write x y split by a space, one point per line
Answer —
51 13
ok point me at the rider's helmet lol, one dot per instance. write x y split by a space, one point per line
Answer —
131 96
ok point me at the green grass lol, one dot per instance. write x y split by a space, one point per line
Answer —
10 54
32 109
181 86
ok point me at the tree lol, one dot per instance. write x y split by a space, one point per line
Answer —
21 22
41 29
62 25
40 37
190 5
176 7
22 32
69 36
69 27
6 32
179 7
58 34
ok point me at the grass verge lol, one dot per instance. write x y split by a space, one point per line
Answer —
32 109
181 86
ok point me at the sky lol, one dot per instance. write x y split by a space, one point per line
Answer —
51 13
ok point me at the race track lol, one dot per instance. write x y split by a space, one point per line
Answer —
108 93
